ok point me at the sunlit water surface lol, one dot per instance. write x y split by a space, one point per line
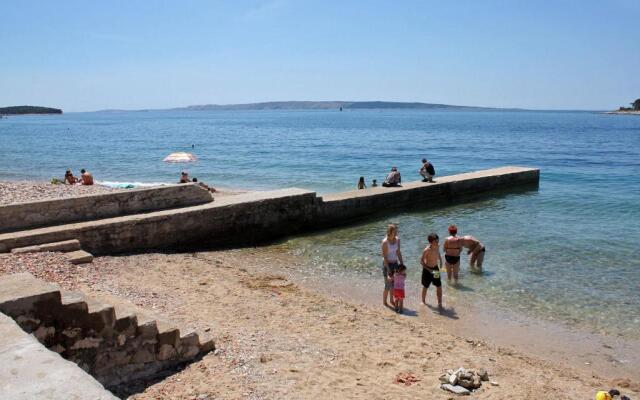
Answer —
566 252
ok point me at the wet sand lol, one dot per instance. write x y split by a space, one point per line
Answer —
284 333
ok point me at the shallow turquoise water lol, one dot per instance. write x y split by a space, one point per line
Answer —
567 251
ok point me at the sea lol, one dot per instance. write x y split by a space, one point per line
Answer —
566 252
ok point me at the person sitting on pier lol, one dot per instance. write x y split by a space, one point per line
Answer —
476 249
86 178
393 178
427 171
69 179
361 184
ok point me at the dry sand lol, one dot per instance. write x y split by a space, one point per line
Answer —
278 339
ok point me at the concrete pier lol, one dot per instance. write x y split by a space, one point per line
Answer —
252 217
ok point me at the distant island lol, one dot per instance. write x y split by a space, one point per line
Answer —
22 110
634 109
328 105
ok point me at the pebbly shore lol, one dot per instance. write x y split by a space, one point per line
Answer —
277 338
27 191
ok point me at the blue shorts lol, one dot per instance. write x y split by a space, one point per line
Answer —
388 283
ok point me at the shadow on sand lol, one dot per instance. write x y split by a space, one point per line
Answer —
445 312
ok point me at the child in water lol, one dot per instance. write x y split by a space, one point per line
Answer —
398 287
361 184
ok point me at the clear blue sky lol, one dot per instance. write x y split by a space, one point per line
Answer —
88 55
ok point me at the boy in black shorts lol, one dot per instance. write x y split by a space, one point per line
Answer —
431 262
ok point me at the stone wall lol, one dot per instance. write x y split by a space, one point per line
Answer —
83 208
113 348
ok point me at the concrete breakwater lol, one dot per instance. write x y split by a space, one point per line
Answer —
84 208
253 217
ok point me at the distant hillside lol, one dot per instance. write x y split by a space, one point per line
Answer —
327 105
21 110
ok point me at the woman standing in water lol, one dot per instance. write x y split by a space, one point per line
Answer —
391 258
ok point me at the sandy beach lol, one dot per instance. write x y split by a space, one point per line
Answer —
278 337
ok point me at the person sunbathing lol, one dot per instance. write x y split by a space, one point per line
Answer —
204 185
69 179
86 177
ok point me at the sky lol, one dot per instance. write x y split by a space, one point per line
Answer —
91 55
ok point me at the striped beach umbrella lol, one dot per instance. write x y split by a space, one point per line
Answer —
180 157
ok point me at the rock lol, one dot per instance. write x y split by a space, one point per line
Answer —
43 333
466 383
166 352
476 382
453 379
86 343
143 356
57 348
483 374
444 378
27 323
455 389
494 383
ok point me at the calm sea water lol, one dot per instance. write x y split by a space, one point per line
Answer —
568 251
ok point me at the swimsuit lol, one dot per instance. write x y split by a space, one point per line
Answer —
398 286
388 283
452 259
431 275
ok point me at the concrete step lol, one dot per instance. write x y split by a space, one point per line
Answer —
79 257
20 293
64 246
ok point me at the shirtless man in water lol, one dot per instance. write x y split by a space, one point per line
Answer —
476 249
431 262
452 248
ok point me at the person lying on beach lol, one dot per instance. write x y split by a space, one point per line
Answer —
452 249
431 262
476 249
184 177
427 171
391 255
361 184
393 178
69 179
204 185
398 287
86 178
